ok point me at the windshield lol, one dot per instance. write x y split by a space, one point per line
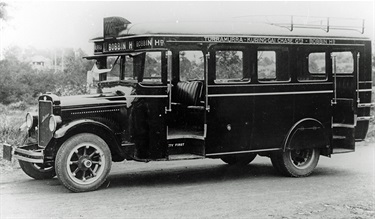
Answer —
141 67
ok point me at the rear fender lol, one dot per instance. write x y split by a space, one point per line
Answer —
306 133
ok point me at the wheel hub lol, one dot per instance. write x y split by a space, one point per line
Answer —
87 163
301 158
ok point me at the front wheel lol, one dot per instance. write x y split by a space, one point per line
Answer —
83 162
239 159
296 163
38 171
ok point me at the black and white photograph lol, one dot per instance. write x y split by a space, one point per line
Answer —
187 109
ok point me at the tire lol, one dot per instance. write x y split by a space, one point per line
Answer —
83 162
37 171
296 163
239 159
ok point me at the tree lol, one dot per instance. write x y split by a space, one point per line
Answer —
229 65
3 11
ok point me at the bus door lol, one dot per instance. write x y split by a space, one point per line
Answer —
345 69
229 101
186 109
148 103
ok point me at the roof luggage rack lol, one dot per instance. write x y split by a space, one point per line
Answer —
308 22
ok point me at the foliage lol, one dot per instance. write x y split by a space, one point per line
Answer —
191 65
3 11
229 65
20 82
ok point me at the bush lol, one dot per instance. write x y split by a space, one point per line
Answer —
20 105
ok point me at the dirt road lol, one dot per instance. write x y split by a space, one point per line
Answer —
341 187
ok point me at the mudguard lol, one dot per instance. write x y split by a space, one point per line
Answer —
306 133
65 128
107 134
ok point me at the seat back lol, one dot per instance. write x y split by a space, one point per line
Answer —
187 93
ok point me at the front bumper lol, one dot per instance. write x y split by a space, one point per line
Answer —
30 153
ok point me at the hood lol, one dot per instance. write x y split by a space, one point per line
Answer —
92 100
117 94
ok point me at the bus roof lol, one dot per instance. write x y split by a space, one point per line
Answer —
120 36
241 28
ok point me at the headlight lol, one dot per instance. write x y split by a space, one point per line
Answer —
53 122
29 120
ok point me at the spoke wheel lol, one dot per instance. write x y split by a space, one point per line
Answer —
38 171
239 159
83 162
296 163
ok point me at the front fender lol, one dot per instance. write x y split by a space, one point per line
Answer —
65 128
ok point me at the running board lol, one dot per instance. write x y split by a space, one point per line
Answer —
341 150
184 157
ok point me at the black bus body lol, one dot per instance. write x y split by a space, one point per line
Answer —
198 90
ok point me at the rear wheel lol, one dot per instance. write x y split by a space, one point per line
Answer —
83 162
296 163
239 159
37 171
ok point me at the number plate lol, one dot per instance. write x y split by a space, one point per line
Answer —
7 152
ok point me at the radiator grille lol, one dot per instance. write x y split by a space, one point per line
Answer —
44 134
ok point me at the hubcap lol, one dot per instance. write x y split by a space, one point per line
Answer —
86 163
302 158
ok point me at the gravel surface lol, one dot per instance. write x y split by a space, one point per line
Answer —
341 187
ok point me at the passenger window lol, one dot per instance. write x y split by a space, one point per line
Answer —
315 69
317 63
152 72
191 65
344 62
229 67
273 66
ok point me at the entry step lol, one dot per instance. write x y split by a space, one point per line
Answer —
338 137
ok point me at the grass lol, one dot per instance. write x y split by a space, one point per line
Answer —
11 119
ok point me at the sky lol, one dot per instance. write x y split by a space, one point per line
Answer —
70 24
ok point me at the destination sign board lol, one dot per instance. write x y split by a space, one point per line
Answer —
269 40
129 45
159 42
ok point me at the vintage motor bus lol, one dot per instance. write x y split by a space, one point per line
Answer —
189 90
